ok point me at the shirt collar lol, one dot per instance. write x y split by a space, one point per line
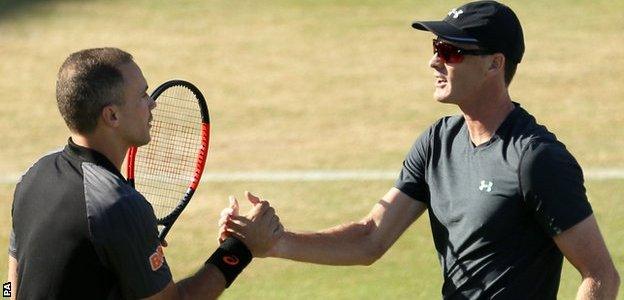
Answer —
92 156
503 129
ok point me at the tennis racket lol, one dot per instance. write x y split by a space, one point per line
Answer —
168 169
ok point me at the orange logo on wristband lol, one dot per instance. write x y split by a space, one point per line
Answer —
231 260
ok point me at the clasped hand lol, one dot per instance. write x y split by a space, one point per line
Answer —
259 229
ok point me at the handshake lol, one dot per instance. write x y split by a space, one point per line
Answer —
259 229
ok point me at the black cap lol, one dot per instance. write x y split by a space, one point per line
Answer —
488 24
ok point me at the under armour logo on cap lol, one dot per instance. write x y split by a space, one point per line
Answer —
491 25
455 13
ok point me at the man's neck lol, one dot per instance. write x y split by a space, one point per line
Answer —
485 116
110 148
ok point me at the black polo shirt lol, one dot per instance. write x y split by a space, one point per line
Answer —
81 232
494 208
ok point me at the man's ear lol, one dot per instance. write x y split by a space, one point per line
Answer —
498 62
110 115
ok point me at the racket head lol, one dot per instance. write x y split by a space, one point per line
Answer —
168 170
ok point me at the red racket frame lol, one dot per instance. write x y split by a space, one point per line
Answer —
202 155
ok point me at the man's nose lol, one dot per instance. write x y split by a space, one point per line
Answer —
435 61
152 103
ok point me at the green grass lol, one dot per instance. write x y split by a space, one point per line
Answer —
409 270
326 84
316 85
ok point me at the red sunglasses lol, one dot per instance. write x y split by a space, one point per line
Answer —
453 54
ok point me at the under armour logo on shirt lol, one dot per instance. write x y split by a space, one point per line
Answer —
455 13
487 185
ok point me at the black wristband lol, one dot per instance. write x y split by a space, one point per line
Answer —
230 258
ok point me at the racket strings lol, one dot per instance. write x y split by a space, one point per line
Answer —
166 166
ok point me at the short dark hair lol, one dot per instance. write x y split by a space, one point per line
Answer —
510 71
88 81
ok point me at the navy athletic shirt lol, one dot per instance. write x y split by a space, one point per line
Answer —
494 208
81 232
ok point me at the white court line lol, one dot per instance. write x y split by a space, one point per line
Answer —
604 174
332 175
303 175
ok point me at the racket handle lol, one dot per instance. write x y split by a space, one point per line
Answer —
163 233
168 223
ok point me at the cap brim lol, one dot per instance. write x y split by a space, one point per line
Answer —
446 31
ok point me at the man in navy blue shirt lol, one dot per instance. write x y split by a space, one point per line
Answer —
79 230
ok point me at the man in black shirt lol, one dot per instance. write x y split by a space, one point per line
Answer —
505 198
79 230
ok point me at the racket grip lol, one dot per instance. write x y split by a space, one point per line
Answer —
163 233
170 220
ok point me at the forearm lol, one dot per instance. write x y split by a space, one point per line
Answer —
219 271
12 276
207 283
598 288
349 244
360 243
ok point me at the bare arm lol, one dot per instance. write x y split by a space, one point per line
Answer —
12 276
208 283
357 243
259 233
584 247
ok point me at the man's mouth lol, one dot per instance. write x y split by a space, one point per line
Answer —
440 81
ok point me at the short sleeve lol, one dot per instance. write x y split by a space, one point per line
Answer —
12 241
12 244
126 240
411 180
552 186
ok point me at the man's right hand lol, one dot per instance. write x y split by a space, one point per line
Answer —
259 228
